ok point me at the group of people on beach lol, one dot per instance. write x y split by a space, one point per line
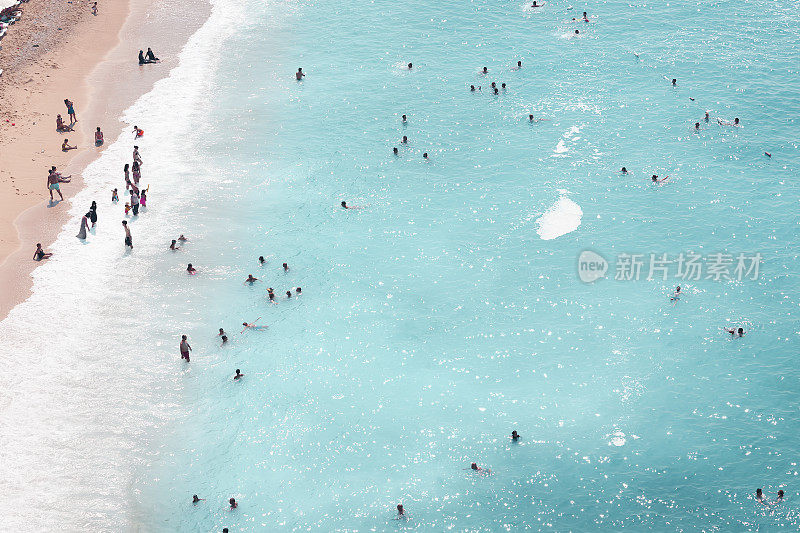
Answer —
147 58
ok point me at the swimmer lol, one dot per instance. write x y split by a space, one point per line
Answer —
472 88
404 140
536 4
503 86
767 154
656 180
585 17
185 348
285 267
696 126
577 32
250 279
182 238
191 270
485 70
173 245
779 499
261 260
299 74
288 294
736 332
271 295
298 290
221 332
476 468
674 82
410 66
238 375
530 117
727 123
224 340
677 294
405 119
252 326
514 435
344 205
425 155
707 116
494 85
395 151
624 170
400 510
519 65
195 499
233 503
760 496
496 91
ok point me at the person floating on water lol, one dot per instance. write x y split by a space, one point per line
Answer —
252 326
728 123
40 254
736 332
676 295
655 179
299 75
182 238
514 435
238 375
195 499
185 348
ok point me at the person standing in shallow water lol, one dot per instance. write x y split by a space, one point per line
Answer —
299 74
93 213
185 348
84 226
128 238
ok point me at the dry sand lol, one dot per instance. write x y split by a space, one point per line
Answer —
93 62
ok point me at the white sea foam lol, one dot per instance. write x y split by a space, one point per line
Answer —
561 218
82 385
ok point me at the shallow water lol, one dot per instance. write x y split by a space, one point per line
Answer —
438 316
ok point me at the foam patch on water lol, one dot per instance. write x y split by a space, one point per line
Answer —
561 218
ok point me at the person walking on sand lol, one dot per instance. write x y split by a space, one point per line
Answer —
84 226
98 137
71 111
128 238
94 9
54 185
185 348
40 254
93 213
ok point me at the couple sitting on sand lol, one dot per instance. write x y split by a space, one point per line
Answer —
60 126
149 57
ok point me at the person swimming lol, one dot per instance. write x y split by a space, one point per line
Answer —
472 88
410 66
503 86
485 70
736 332
496 91
395 151
221 332
238 375
182 238
674 82
401 513
585 17
285 267
656 180
250 279
696 126
253 326
191 270
261 260
298 290
405 119
476 468
425 155
514 435
707 116
760 496
727 123
288 294
677 294
224 339
174 245
624 170
780 496
536 4
519 65
577 32
271 295
299 75
233 503
404 140
344 204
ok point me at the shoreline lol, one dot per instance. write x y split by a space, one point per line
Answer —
97 65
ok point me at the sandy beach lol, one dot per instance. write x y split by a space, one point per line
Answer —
61 50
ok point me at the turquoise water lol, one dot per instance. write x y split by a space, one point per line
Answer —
435 319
